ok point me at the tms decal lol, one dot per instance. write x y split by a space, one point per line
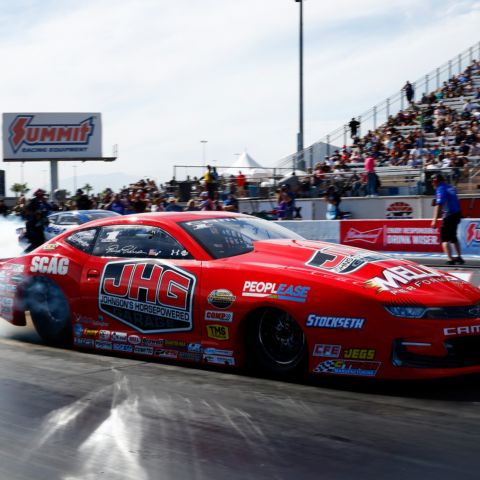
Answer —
218 332
24 132
150 296
293 293
342 260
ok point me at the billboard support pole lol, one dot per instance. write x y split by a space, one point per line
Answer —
53 177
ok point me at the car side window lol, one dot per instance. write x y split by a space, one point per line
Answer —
138 241
68 220
83 239
53 219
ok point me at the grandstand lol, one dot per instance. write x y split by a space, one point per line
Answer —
410 140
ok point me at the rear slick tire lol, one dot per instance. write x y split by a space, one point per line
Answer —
50 311
276 344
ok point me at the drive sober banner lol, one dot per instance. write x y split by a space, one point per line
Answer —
391 235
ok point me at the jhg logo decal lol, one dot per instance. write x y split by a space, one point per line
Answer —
149 296
23 132
342 260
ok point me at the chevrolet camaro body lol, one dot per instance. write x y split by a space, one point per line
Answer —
230 289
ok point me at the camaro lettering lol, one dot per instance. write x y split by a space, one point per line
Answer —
53 265
465 330
334 322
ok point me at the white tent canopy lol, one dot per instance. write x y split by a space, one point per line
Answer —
248 166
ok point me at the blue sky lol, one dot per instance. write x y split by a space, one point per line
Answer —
166 75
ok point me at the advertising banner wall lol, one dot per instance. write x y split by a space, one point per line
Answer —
391 235
469 235
40 136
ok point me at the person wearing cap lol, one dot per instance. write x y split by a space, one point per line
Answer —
447 205
173 206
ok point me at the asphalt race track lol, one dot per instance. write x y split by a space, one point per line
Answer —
77 416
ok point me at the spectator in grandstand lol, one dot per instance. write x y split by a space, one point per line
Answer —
241 183
138 205
287 196
82 201
409 91
333 199
231 203
353 125
371 175
447 206
173 206
209 182
207 203
157 204
116 205
191 206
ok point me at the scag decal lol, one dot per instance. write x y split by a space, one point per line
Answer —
335 322
53 265
149 296
348 367
218 332
293 293
338 259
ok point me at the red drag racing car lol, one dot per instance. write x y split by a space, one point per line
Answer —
231 289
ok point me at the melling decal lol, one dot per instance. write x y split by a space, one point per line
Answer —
342 260
149 296
23 132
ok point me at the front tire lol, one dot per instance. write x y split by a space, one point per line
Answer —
276 344
50 311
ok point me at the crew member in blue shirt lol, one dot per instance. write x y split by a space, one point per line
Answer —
448 206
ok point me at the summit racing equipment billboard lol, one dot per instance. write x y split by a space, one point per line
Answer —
40 136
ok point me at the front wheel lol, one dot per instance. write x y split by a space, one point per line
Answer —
50 311
276 344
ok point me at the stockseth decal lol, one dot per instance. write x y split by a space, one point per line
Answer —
53 265
329 351
221 298
216 316
292 293
342 260
150 296
335 322
348 367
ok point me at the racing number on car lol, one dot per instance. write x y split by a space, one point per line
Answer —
149 296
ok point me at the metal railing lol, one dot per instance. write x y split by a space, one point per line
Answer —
378 114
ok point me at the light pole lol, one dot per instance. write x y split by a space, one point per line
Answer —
203 142
300 163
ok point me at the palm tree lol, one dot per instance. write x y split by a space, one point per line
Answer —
88 188
19 188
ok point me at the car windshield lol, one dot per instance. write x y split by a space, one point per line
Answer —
230 236
96 215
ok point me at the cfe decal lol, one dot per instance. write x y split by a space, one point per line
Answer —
405 278
150 296
338 259
24 132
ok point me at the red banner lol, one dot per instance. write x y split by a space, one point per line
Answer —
391 235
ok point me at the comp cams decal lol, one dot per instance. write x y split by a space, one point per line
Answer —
149 296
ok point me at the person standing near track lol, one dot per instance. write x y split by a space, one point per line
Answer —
447 204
